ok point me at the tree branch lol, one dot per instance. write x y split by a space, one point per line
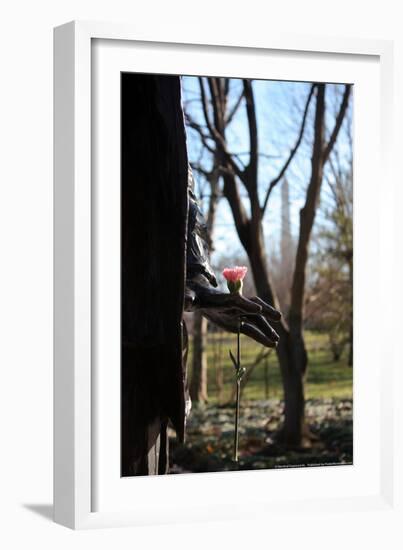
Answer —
205 106
217 103
307 214
204 139
239 214
252 126
234 110
195 126
338 123
215 134
293 151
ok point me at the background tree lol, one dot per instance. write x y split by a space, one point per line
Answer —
198 386
329 303
236 175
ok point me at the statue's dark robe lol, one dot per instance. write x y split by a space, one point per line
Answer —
154 202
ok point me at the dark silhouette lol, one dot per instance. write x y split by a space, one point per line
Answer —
165 269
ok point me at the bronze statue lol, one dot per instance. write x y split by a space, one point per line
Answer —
165 271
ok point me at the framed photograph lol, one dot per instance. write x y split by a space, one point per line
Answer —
222 247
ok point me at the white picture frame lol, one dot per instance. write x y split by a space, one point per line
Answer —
75 393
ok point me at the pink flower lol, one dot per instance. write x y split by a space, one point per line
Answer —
235 276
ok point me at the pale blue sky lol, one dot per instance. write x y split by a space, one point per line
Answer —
279 106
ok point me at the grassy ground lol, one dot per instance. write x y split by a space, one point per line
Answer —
325 378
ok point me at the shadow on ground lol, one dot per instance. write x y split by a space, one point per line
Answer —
43 510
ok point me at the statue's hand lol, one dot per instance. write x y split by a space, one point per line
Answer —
224 310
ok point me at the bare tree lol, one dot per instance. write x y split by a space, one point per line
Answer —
214 103
198 387
329 300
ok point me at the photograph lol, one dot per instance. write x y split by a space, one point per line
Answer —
201 254
236 274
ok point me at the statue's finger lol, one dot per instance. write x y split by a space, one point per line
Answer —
245 305
257 335
265 327
267 310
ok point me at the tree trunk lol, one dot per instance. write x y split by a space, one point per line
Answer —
291 350
291 355
294 426
198 382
